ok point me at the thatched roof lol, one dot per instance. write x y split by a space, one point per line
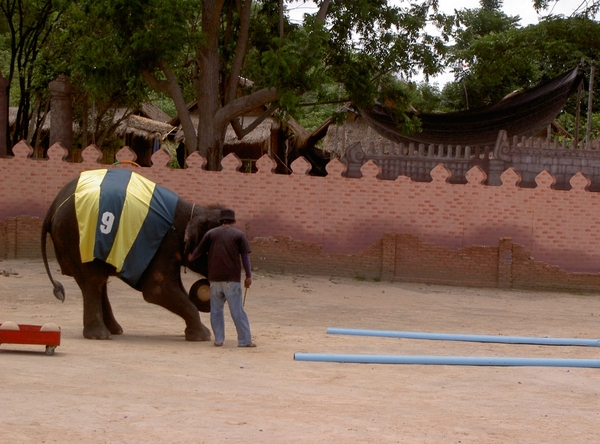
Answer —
261 133
153 112
12 118
147 110
192 107
151 127
144 127
12 115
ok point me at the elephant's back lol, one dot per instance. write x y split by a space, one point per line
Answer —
64 195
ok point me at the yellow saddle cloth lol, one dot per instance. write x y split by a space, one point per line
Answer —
122 218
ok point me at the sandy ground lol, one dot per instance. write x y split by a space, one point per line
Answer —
150 385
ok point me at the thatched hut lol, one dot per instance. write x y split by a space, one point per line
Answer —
253 145
41 122
144 136
249 149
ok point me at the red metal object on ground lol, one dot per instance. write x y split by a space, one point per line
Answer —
32 334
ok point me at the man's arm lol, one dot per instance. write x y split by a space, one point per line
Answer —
198 250
247 269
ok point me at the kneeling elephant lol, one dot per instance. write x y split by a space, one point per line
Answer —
118 223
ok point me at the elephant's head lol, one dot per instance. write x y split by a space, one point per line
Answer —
202 220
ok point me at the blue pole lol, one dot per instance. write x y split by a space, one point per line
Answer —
466 338
448 360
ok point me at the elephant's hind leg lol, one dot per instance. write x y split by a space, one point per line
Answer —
168 292
92 278
109 318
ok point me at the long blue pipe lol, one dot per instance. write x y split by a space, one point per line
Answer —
467 338
448 360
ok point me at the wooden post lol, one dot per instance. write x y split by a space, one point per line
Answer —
61 107
4 132
589 113
578 108
578 114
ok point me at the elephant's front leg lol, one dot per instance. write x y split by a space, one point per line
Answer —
92 281
164 288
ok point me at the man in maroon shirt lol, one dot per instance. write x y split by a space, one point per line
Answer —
224 245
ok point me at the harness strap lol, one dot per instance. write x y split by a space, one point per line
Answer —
185 258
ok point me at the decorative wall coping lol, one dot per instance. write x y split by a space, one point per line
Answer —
346 215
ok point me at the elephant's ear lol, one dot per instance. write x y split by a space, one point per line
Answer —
202 221
191 237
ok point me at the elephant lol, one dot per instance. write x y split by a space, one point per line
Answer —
85 222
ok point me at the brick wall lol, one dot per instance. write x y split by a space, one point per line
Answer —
394 258
280 254
349 221
3 237
20 238
405 258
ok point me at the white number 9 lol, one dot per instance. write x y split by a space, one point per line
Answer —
107 222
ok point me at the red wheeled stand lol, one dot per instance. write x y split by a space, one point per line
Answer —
32 334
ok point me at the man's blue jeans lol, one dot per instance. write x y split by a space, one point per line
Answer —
232 293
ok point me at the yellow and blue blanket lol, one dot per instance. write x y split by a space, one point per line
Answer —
122 218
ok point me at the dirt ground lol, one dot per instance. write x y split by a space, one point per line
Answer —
150 385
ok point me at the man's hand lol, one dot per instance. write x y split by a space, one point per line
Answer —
247 282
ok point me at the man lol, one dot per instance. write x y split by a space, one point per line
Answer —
224 245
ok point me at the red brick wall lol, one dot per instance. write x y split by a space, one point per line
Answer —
20 238
3 237
348 217
280 254
395 257
418 261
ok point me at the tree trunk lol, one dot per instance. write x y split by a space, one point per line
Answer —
207 86
214 112
172 89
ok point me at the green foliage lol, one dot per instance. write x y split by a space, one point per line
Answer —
322 105
170 148
5 51
509 59
370 39
163 101
492 5
26 29
427 98
471 29
116 40
568 122
109 50
290 65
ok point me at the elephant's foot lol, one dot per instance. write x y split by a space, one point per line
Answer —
192 334
96 333
114 327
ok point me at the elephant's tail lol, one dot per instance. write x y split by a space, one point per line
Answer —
59 290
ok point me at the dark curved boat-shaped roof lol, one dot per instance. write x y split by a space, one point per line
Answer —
522 114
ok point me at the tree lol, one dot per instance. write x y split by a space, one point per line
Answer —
508 58
27 27
467 28
203 49
585 9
